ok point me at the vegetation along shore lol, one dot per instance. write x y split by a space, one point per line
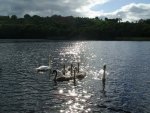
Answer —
59 27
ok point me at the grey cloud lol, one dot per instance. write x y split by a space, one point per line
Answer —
136 9
40 7
131 12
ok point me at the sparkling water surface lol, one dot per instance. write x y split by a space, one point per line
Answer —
127 87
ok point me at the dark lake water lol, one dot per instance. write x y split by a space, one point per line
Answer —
127 87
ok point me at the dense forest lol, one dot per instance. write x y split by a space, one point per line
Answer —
72 28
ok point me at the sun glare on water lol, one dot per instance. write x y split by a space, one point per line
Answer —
76 101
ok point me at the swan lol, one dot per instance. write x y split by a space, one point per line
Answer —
44 68
62 78
68 70
79 75
103 78
64 71
77 68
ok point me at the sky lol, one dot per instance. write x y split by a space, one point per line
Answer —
128 10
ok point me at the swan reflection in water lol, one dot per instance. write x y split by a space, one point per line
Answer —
103 89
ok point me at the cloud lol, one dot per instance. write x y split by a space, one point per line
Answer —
130 12
49 7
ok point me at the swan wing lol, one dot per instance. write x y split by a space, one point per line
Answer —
43 68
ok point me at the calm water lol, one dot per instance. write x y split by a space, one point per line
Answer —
127 87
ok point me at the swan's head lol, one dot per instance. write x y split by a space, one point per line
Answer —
75 69
54 72
104 67
49 56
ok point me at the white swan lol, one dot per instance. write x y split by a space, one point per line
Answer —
61 78
103 77
68 70
44 68
79 75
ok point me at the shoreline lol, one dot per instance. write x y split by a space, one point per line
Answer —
50 40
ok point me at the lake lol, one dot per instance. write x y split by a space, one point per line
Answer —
126 90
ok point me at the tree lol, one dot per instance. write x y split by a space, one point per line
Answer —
27 16
14 17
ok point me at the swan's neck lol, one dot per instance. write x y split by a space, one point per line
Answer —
64 69
104 68
55 72
49 62
74 78
71 69
78 67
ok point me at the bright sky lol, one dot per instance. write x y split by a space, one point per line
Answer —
113 5
128 10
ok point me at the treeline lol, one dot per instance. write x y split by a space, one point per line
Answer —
59 27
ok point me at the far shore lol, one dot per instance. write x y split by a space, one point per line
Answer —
73 39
